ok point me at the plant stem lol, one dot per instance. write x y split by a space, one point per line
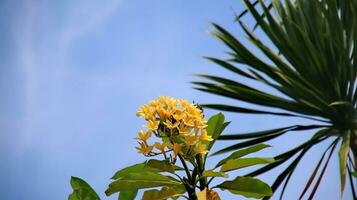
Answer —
185 167
201 168
188 182
192 194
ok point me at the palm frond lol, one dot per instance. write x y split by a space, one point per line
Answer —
311 64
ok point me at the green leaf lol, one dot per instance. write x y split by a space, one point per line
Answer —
162 165
82 190
318 181
306 67
212 173
313 174
260 136
248 143
283 157
243 152
215 126
354 174
72 197
180 189
230 67
162 194
137 168
244 162
237 109
269 132
128 195
343 153
144 179
342 104
247 186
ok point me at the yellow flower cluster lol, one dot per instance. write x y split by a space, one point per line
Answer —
180 126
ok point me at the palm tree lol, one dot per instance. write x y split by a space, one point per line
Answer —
312 63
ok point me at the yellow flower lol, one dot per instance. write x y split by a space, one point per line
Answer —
181 121
176 148
204 136
144 135
154 104
163 113
179 115
144 149
169 124
188 121
201 149
171 102
160 146
193 111
184 103
201 123
152 125
190 139
144 111
184 130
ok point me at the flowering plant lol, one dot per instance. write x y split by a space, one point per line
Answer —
180 126
177 131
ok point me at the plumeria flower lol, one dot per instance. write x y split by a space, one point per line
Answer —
169 124
179 124
163 114
189 121
184 130
190 139
201 149
152 125
179 115
176 148
143 136
204 136
160 147
201 123
144 149
192 111
145 112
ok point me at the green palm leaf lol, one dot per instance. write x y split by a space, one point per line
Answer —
311 63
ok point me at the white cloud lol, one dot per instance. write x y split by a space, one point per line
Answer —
43 66
84 17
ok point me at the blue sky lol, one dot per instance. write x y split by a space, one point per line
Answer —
73 74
